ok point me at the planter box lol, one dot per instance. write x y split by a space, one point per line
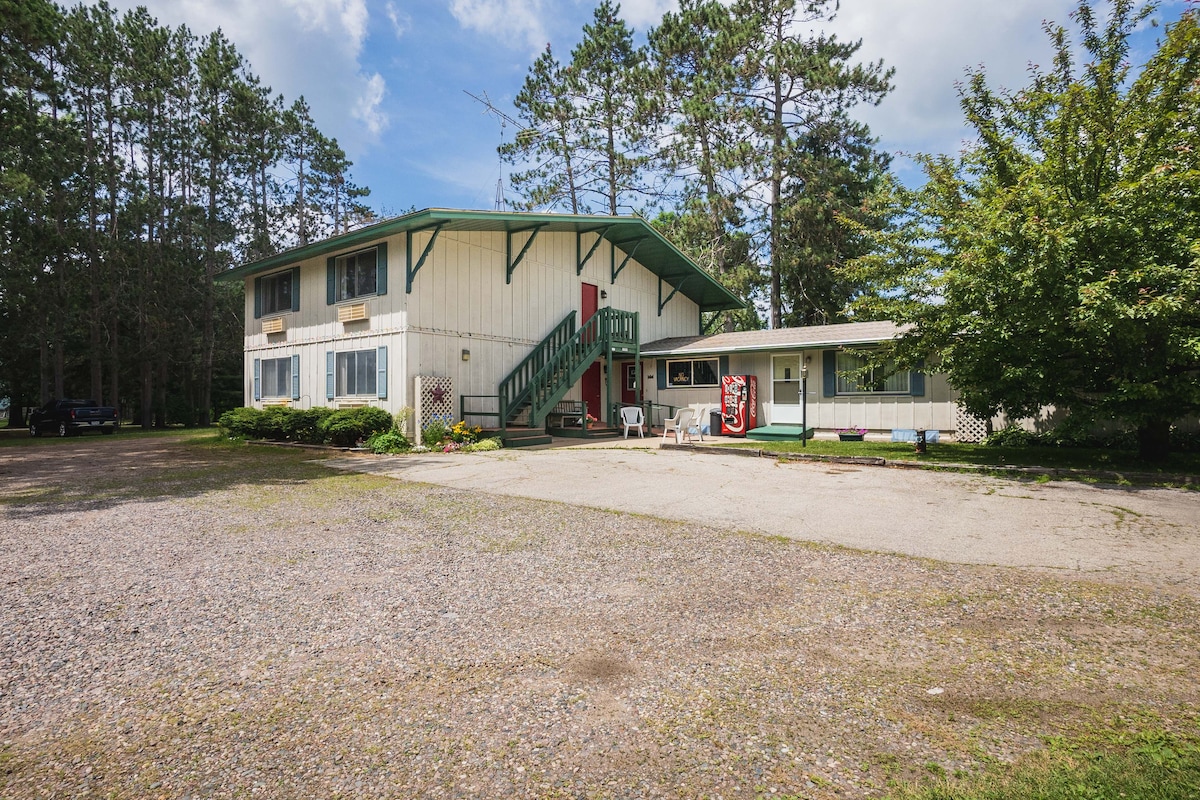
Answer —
850 437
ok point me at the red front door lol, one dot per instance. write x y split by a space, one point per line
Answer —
590 385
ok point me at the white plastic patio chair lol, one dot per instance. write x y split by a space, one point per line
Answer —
679 425
634 417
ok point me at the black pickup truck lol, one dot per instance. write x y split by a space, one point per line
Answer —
65 417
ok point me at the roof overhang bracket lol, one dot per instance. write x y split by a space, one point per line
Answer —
513 262
580 260
628 255
411 269
663 303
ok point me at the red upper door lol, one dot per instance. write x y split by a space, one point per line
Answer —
590 385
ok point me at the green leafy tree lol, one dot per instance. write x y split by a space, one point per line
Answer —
1055 262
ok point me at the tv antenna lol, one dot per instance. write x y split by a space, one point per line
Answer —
504 119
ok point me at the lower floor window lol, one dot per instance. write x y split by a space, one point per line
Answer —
855 375
277 377
356 373
701 372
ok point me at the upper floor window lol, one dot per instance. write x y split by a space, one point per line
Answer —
274 294
699 372
277 292
357 274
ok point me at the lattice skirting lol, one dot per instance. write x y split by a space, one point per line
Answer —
435 400
968 427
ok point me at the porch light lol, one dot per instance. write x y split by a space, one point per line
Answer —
466 355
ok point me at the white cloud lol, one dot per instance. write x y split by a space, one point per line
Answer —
933 44
401 21
511 19
645 14
368 105
298 47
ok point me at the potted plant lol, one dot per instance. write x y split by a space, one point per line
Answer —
850 434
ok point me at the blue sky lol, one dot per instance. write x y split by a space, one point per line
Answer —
388 77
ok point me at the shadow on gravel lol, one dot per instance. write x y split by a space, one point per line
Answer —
44 477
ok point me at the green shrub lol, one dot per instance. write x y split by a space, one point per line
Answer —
1012 436
389 442
346 427
304 424
483 445
434 432
243 423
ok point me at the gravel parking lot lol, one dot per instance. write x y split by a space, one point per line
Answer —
188 620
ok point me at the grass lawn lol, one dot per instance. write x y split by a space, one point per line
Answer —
977 454
1147 766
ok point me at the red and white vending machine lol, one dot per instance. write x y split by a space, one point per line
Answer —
739 404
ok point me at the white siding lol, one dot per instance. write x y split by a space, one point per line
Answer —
460 301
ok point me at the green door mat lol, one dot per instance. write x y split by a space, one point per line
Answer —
780 433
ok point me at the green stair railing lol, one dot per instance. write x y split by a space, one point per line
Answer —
607 329
515 387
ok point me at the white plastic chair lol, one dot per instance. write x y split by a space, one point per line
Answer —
699 418
634 417
679 424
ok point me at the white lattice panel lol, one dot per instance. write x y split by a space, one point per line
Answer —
968 427
435 399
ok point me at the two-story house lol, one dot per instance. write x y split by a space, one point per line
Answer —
496 312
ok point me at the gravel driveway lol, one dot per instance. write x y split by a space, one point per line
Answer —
187 620
1126 532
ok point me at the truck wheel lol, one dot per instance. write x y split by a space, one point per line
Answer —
63 430
33 429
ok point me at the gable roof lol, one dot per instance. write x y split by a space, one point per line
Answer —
653 252
841 334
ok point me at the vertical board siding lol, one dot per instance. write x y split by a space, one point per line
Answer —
460 300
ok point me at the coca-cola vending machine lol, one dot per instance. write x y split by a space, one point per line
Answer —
739 404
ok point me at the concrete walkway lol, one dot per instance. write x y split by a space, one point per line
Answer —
1134 533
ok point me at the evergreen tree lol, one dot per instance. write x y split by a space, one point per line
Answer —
548 146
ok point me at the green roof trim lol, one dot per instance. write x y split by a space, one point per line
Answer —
655 252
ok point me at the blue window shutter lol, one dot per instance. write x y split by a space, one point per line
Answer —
295 289
381 364
381 269
258 379
724 365
296 377
257 298
830 373
661 369
329 375
916 380
331 281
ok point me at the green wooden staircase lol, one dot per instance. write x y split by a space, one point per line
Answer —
559 361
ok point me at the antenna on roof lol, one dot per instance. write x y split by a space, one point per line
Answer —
504 119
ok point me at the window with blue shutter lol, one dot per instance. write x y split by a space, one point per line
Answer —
258 298
660 368
330 281
296 377
916 380
258 379
329 386
381 363
381 264
829 373
295 289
